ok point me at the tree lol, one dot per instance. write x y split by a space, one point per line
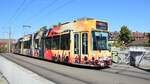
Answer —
125 35
118 44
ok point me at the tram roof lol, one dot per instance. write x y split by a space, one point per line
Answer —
82 24
26 37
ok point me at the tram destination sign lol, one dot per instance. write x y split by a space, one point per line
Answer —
101 25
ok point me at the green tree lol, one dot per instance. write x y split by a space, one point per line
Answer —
118 44
125 35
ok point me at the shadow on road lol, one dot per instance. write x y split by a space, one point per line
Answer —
71 65
147 70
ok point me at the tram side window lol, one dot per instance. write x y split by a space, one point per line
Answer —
55 43
18 45
27 44
58 42
76 43
48 42
52 43
65 42
84 43
36 43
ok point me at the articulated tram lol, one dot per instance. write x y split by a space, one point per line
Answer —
81 42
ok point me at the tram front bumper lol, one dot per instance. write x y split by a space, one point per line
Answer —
106 61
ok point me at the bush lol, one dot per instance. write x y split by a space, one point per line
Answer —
3 49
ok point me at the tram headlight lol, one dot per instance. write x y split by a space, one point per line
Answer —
109 58
100 59
106 58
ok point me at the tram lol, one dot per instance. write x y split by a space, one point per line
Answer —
80 42
83 41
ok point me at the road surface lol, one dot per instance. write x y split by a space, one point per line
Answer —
62 74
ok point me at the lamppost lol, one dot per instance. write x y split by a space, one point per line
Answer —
9 33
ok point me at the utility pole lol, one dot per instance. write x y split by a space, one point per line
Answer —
9 44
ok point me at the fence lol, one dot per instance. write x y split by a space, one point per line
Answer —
139 55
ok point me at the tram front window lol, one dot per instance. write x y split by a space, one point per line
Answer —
100 40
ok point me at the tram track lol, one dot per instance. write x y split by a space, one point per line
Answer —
126 74
18 61
125 70
70 76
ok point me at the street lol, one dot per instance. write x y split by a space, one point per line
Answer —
63 74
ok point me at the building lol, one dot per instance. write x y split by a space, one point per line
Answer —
113 36
140 38
136 54
4 44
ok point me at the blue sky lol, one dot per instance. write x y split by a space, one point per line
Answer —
37 13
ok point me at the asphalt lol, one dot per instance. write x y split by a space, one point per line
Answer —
62 74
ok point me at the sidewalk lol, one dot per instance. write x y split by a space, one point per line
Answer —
2 79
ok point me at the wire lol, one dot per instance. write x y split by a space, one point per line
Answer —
20 9
23 9
15 13
54 10
42 10
63 5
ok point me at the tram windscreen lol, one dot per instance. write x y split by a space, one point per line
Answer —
100 40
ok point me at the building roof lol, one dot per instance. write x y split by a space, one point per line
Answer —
139 38
137 43
7 40
113 35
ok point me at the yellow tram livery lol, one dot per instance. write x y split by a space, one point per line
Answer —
83 42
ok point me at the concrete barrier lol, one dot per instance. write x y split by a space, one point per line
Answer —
16 74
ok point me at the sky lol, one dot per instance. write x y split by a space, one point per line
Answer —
135 14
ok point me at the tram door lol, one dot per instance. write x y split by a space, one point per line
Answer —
80 46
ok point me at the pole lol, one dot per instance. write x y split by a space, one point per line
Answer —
26 26
9 45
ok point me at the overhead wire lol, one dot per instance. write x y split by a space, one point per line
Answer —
15 13
13 17
23 9
41 10
54 10
63 5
